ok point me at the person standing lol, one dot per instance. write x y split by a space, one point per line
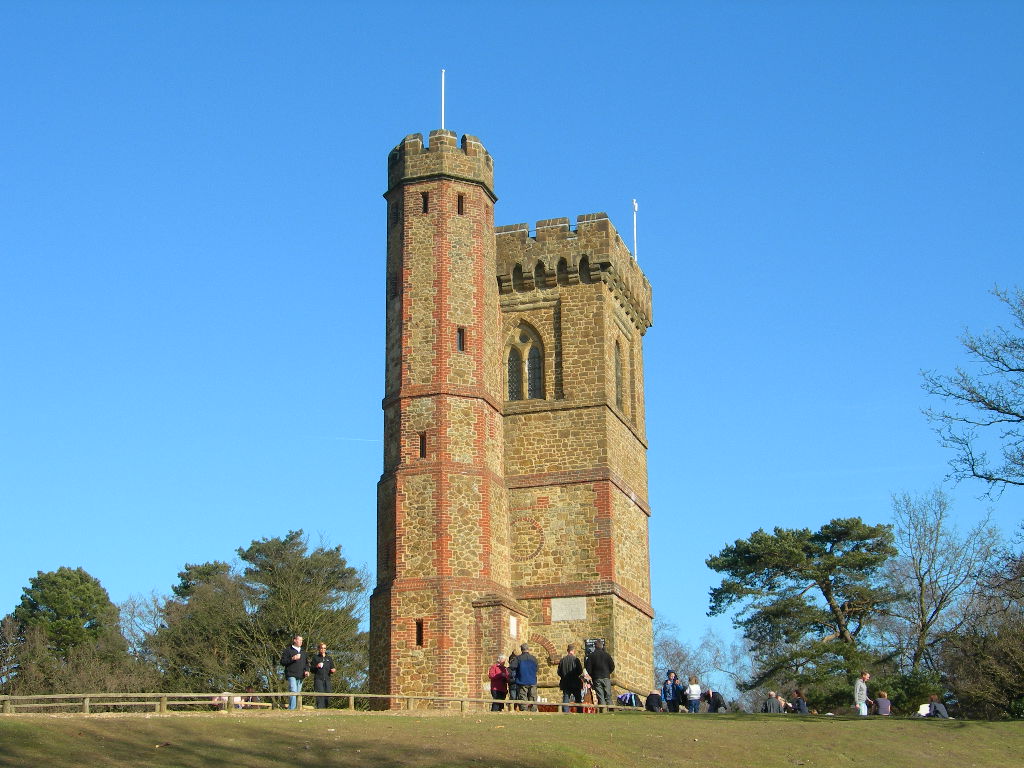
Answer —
296 668
570 678
498 674
513 687
323 668
526 676
600 666
693 695
671 692
860 694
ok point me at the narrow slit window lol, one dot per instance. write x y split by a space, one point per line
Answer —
461 204
534 374
423 445
460 339
515 374
419 633
425 200
618 376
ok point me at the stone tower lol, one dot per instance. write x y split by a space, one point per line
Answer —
513 503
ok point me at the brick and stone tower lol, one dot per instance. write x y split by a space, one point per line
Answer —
513 503
443 562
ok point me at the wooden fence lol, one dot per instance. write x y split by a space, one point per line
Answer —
167 703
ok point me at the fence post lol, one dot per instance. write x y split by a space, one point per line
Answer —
229 704
161 705
85 705
462 706
351 702
408 702
8 706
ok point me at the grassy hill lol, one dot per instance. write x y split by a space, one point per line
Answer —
309 738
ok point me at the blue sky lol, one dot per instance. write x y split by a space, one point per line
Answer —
192 253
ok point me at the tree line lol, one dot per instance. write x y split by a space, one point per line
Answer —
924 607
221 628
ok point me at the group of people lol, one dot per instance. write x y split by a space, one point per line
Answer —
515 678
297 666
880 705
776 704
677 696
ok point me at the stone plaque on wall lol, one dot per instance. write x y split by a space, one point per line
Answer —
568 608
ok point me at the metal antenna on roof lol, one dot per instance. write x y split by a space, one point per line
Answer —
442 99
635 207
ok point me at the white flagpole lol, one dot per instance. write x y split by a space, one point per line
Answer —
442 99
635 206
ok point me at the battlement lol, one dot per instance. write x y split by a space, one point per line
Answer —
553 253
442 156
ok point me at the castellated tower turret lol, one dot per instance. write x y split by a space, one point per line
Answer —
443 563
513 503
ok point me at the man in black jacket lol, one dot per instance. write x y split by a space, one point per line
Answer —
296 668
323 668
570 678
600 666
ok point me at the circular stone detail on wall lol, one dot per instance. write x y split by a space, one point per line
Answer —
527 539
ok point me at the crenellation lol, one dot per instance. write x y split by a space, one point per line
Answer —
552 229
590 252
442 157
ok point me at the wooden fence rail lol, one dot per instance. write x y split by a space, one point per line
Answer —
167 703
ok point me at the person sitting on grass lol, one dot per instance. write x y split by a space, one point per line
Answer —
936 708
799 702
883 705
716 703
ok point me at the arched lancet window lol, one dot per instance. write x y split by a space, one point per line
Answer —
525 364
515 374
618 376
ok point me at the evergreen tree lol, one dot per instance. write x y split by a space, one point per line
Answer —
805 600
225 626
72 608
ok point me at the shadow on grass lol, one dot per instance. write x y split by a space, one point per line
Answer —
259 743
265 740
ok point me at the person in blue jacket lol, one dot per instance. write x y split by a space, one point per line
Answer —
671 692
526 676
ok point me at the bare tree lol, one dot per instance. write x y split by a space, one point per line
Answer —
10 639
716 664
985 403
939 572
672 653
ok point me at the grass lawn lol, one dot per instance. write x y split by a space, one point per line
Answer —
309 738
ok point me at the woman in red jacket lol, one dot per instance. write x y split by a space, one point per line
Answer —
499 683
